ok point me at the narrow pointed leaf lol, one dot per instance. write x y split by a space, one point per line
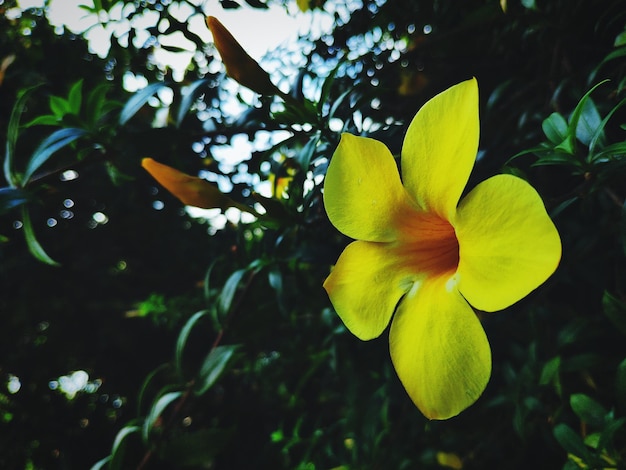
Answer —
117 452
12 133
181 342
188 99
75 97
11 197
33 245
615 310
59 106
587 409
102 464
54 142
229 290
570 441
136 102
213 366
555 128
157 409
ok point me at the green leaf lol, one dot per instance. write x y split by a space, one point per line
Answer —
157 409
117 452
620 385
557 158
189 97
304 156
587 409
12 134
195 449
136 102
212 367
607 435
33 245
622 227
146 384
181 342
615 310
570 441
75 97
589 123
46 120
101 464
59 106
94 105
55 141
599 135
575 119
562 206
225 299
550 371
12 197
555 128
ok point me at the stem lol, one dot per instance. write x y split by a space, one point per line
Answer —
189 387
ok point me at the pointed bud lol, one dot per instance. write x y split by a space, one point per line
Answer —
238 63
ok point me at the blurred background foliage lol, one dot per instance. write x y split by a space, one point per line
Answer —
138 334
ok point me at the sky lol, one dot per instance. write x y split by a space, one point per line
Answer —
259 31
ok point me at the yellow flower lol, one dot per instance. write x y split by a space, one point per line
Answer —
428 257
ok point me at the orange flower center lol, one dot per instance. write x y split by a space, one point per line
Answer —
428 244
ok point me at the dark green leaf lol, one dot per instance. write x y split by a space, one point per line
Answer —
188 98
570 143
303 157
598 138
615 310
555 128
157 409
12 133
564 158
49 146
608 433
562 206
589 123
622 227
117 452
229 290
195 449
212 367
46 120
571 441
181 342
550 371
94 106
587 409
33 245
75 97
620 385
101 464
136 102
59 106
616 54
10 198
147 382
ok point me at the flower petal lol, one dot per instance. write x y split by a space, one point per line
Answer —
439 349
440 148
365 286
508 245
363 195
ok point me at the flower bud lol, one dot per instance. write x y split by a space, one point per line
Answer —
238 63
